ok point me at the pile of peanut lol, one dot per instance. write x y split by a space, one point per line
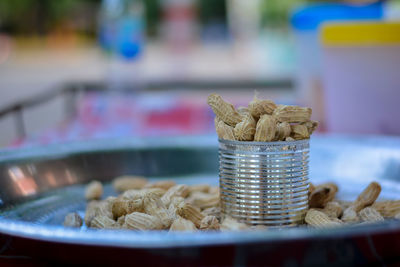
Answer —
326 211
165 205
261 121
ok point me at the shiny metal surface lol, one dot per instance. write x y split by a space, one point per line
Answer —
264 183
39 186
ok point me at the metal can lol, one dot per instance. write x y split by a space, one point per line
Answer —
264 183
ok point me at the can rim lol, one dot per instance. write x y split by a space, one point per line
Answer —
272 143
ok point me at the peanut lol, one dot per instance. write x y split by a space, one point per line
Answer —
367 197
91 211
132 194
181 224
311 126
190 213
122 207
292 114
213 211
369 214
142 221
175 191
245 130
225 111
204 188
128 182
209 223
387 208
319 219
259 107
203 200
154 206
73 220
224 131
103 222
176 202
159 192
333 209
265 130
283 130
243 111
299 132
167 184
350 215
121 221
214 190
230 224
322 194
94 190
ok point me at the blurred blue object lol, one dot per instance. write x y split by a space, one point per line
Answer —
309 17
121 28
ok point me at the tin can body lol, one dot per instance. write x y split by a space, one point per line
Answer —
264 183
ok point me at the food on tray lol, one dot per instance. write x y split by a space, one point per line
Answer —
94 190
261 121
165 205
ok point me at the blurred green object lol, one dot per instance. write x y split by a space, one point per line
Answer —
276 13
30 17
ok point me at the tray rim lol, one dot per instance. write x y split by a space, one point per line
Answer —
164 239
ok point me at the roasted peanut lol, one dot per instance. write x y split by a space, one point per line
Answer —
209 223
214 211
128 182
259 107
181 224
103 222
203 200
73 220
319 219
322 194
230 224
245 130
154 206
179 190
311 126
299 132
369 214
283 130
167 184
122 207
225 111
190 213
94 190
388 208
333 209
350 215
224 131
142 221
204 188
265 130
367 197
292 114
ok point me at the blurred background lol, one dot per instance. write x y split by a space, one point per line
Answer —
72 70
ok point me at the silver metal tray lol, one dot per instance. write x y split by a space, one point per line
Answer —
40 185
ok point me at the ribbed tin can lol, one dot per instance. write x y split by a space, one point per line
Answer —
264 183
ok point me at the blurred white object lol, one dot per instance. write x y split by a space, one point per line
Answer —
361 77
244 19
306 23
